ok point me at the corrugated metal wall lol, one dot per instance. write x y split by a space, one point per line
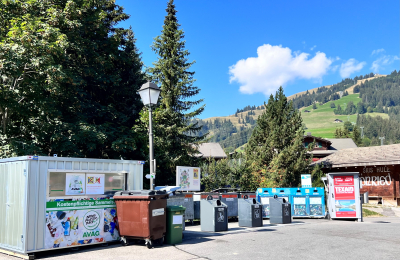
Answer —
12 204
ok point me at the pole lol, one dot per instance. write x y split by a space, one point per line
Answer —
382 138
362 132
151 147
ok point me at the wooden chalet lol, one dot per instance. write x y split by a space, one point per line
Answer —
378 168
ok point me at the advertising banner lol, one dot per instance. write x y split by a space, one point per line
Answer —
344 190
80 222
188 178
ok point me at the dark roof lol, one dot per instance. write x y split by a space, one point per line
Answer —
364 156
336 144
213 150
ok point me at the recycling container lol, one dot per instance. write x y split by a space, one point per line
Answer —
250 212
280 212
141 215
299 202
264 194
197 197
175 217
49 203
184 199
214 215
231 200
250 194
316 201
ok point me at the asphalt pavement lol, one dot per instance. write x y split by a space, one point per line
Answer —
375 238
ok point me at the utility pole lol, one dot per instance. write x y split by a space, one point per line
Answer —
382 138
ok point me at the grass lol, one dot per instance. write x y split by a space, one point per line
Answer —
370 213
320 121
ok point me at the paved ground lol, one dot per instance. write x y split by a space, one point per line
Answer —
375 238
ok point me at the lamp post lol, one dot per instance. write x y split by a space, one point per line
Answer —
149 93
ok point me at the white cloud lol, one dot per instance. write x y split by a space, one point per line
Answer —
276 66
382 62
349 67
377 51
313 47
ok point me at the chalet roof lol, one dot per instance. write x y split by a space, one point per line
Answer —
337 144
213 150
364 156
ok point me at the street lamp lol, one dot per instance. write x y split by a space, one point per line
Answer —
149 93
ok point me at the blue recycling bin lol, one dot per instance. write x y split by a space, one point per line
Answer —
316 202
308 202
264 194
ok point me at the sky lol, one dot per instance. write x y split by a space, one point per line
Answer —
245 50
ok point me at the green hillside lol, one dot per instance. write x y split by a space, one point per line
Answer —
320 121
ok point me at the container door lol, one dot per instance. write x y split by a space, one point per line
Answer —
316 206
299 206
12 207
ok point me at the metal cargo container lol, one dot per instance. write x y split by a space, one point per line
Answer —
184 199
44 201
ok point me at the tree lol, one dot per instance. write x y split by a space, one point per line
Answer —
275 153
314 106
79 97
333 105
175 137
357 136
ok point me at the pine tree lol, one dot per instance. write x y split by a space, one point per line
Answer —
357 136
175 136
275 152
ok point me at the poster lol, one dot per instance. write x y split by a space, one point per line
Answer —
80 222
306 181
188 178
345 204
75 184
94 183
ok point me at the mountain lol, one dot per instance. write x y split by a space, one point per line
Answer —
374 96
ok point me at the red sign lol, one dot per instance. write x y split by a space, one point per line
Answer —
344 193
343 180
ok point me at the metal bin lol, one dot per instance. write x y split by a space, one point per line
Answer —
250 212
184 199
280 212
197 197
214 215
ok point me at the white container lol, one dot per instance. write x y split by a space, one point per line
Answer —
40 210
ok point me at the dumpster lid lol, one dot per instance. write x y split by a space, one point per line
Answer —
175 208
140 192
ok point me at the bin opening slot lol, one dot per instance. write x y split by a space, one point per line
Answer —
218 203
315 190
265 191
254 201
281 191
298 191
284 200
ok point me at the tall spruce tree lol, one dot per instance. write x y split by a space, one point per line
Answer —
174 128
275 152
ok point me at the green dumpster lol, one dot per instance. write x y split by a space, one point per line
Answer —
174 224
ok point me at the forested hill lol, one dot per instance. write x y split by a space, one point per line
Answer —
377 93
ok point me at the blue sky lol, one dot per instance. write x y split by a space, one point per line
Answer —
244 50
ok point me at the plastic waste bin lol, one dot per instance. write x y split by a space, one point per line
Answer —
175 217
280 211
213 215
141 215
250 212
